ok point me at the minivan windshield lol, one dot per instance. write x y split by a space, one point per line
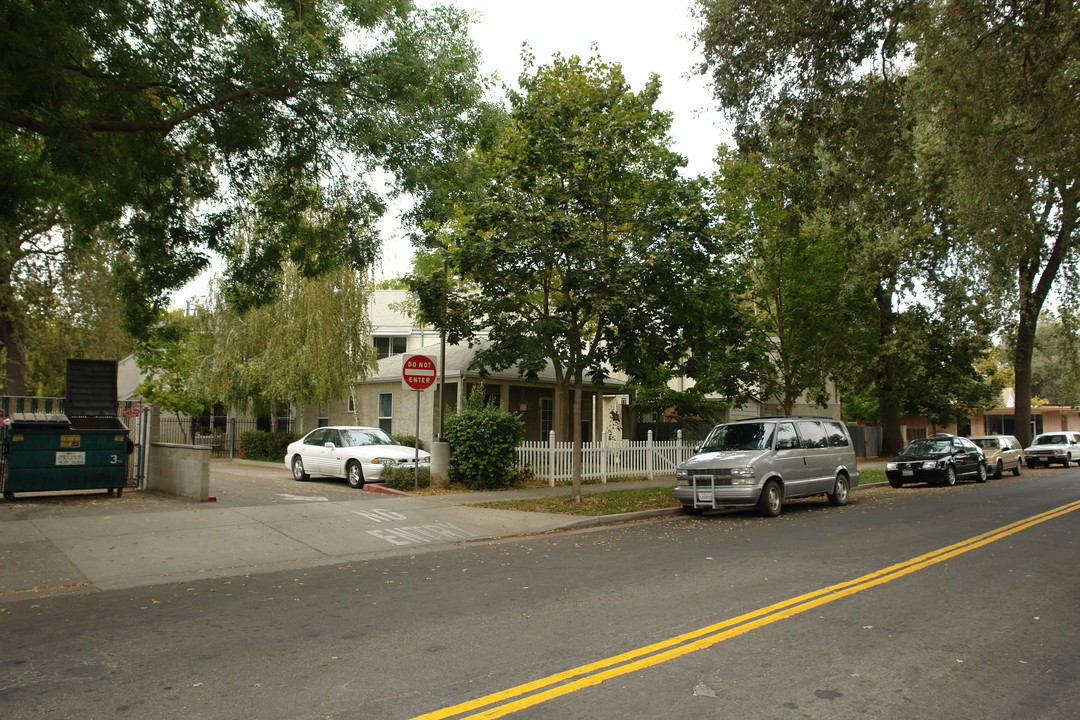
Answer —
739 436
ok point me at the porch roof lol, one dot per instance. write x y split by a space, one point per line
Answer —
458 360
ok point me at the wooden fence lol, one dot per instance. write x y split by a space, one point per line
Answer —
606 459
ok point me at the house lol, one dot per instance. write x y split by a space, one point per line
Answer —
384 401
663 430
998 421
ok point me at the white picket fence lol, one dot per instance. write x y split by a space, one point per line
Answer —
605 459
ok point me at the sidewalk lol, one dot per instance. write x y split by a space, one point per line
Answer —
86 542
55 543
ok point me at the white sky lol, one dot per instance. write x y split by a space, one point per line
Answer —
645 38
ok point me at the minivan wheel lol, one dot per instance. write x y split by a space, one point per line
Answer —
839 495
1019 468
771 501
999 470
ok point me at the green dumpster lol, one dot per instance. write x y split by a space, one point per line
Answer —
55 444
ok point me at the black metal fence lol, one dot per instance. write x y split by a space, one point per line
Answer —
223 438
867 440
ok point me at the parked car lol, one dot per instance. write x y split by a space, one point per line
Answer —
1062 447
938 460
357 454
763 461
1001 452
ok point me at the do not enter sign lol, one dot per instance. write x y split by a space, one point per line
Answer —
418 372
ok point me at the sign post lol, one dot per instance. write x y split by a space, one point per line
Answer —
417 373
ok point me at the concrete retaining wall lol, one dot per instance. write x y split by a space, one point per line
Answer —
182 470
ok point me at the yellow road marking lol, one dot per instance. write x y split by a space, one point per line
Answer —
509 701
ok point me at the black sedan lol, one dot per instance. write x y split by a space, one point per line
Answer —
938 460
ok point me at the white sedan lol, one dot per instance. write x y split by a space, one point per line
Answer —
357 454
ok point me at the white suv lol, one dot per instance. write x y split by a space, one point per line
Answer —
1062 447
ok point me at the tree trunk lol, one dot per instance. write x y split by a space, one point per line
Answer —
575 460
892 440
564 415
15 363
1034 287
1023 349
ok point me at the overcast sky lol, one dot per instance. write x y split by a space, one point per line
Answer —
645 38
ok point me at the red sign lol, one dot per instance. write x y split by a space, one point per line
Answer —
129 412
418 372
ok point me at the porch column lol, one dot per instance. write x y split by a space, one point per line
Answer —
599 421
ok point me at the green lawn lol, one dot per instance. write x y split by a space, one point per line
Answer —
602 503
613 502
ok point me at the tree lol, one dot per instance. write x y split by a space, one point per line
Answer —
71 311
798 313
154 122
1055 362
169 359
986 86
311 344
994 83
584 248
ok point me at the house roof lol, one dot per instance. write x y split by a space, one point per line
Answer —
458 359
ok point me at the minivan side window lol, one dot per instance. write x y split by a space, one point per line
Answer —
837 436
786 437
812 435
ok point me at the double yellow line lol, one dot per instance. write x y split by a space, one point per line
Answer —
533 693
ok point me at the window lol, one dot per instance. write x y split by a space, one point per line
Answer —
318 438
785 437
324 415
386 412
547 415
837 436
284 417
812 435
387 346
352 404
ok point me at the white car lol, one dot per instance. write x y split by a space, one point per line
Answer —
357 454
1062 447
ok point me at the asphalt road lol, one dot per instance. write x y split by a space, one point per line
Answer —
922 602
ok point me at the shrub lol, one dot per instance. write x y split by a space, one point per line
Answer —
262 445
408 441
483 444
403 478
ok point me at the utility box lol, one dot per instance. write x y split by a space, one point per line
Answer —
77 443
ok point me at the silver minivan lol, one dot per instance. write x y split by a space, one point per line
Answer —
762 461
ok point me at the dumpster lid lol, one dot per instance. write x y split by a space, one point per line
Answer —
91 387
40 418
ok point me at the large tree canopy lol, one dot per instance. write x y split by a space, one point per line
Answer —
583 247
987 92
153 121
